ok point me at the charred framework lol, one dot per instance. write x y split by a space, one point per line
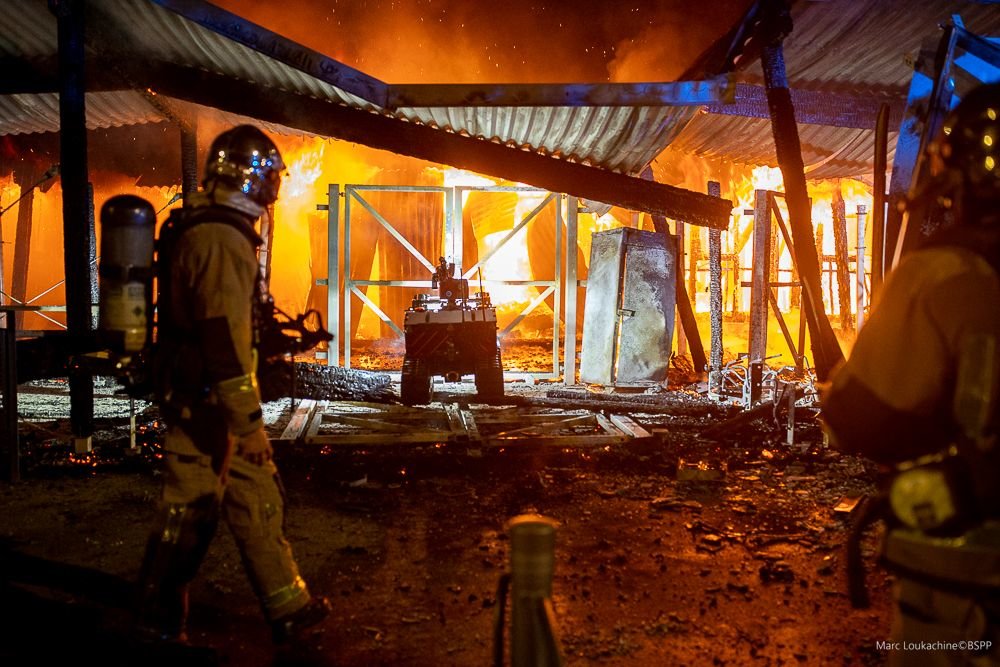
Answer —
116 62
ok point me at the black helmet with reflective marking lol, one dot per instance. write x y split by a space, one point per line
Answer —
246 159
965 158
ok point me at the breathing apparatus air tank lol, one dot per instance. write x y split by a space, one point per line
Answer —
128 228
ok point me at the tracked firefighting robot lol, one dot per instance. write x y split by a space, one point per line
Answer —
451 334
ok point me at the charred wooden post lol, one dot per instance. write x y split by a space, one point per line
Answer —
25 177
736 285
843 260
759 289
686 312
8 406
77 229
682 345
92 258
879 196
569 345
773 275
826 349
3 292
333 238
715 286
282 378
693 259
684 308
189 160
264 254
818 234
860 268
795 297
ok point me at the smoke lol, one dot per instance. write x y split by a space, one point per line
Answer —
671 41
525 41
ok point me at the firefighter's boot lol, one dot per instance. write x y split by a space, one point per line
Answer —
176 547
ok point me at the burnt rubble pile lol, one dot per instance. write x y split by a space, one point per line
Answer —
324 383
676 403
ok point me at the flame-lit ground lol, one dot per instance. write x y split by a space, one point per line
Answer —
652 568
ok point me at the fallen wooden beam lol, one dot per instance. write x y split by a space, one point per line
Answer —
630 427
300 419
456 424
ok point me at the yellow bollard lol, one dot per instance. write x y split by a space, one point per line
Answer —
533 638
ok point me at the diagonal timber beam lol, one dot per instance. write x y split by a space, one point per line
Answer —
399 136
279 48
826 349
405 138
813 107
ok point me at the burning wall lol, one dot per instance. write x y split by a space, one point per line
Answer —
299 251
44 281
517 41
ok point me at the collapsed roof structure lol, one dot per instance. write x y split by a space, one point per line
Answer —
146 59
174 61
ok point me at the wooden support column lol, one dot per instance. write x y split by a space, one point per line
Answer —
826 349
843 261
571 286
859 273
77 231
189 160
759 290
715 286
818 234
879 197
95 292
264 254
682 346
686 312
693 259
684 309
26 177
386 133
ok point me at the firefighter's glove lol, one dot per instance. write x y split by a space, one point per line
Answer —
254 447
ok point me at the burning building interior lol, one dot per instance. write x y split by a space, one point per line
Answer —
549 318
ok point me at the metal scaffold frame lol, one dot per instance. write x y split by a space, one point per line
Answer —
339 263
553 286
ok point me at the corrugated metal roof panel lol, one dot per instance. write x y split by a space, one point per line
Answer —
837 46
850 44
21 114
622 139
828 152
29 29
618 138
170 37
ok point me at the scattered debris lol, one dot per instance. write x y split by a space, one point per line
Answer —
700 471
847 504
776 572
323 382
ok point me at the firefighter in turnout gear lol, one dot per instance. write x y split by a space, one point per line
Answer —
217 456
919 393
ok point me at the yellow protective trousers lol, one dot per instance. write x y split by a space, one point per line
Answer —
250 501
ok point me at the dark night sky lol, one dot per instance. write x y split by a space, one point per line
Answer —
450 41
